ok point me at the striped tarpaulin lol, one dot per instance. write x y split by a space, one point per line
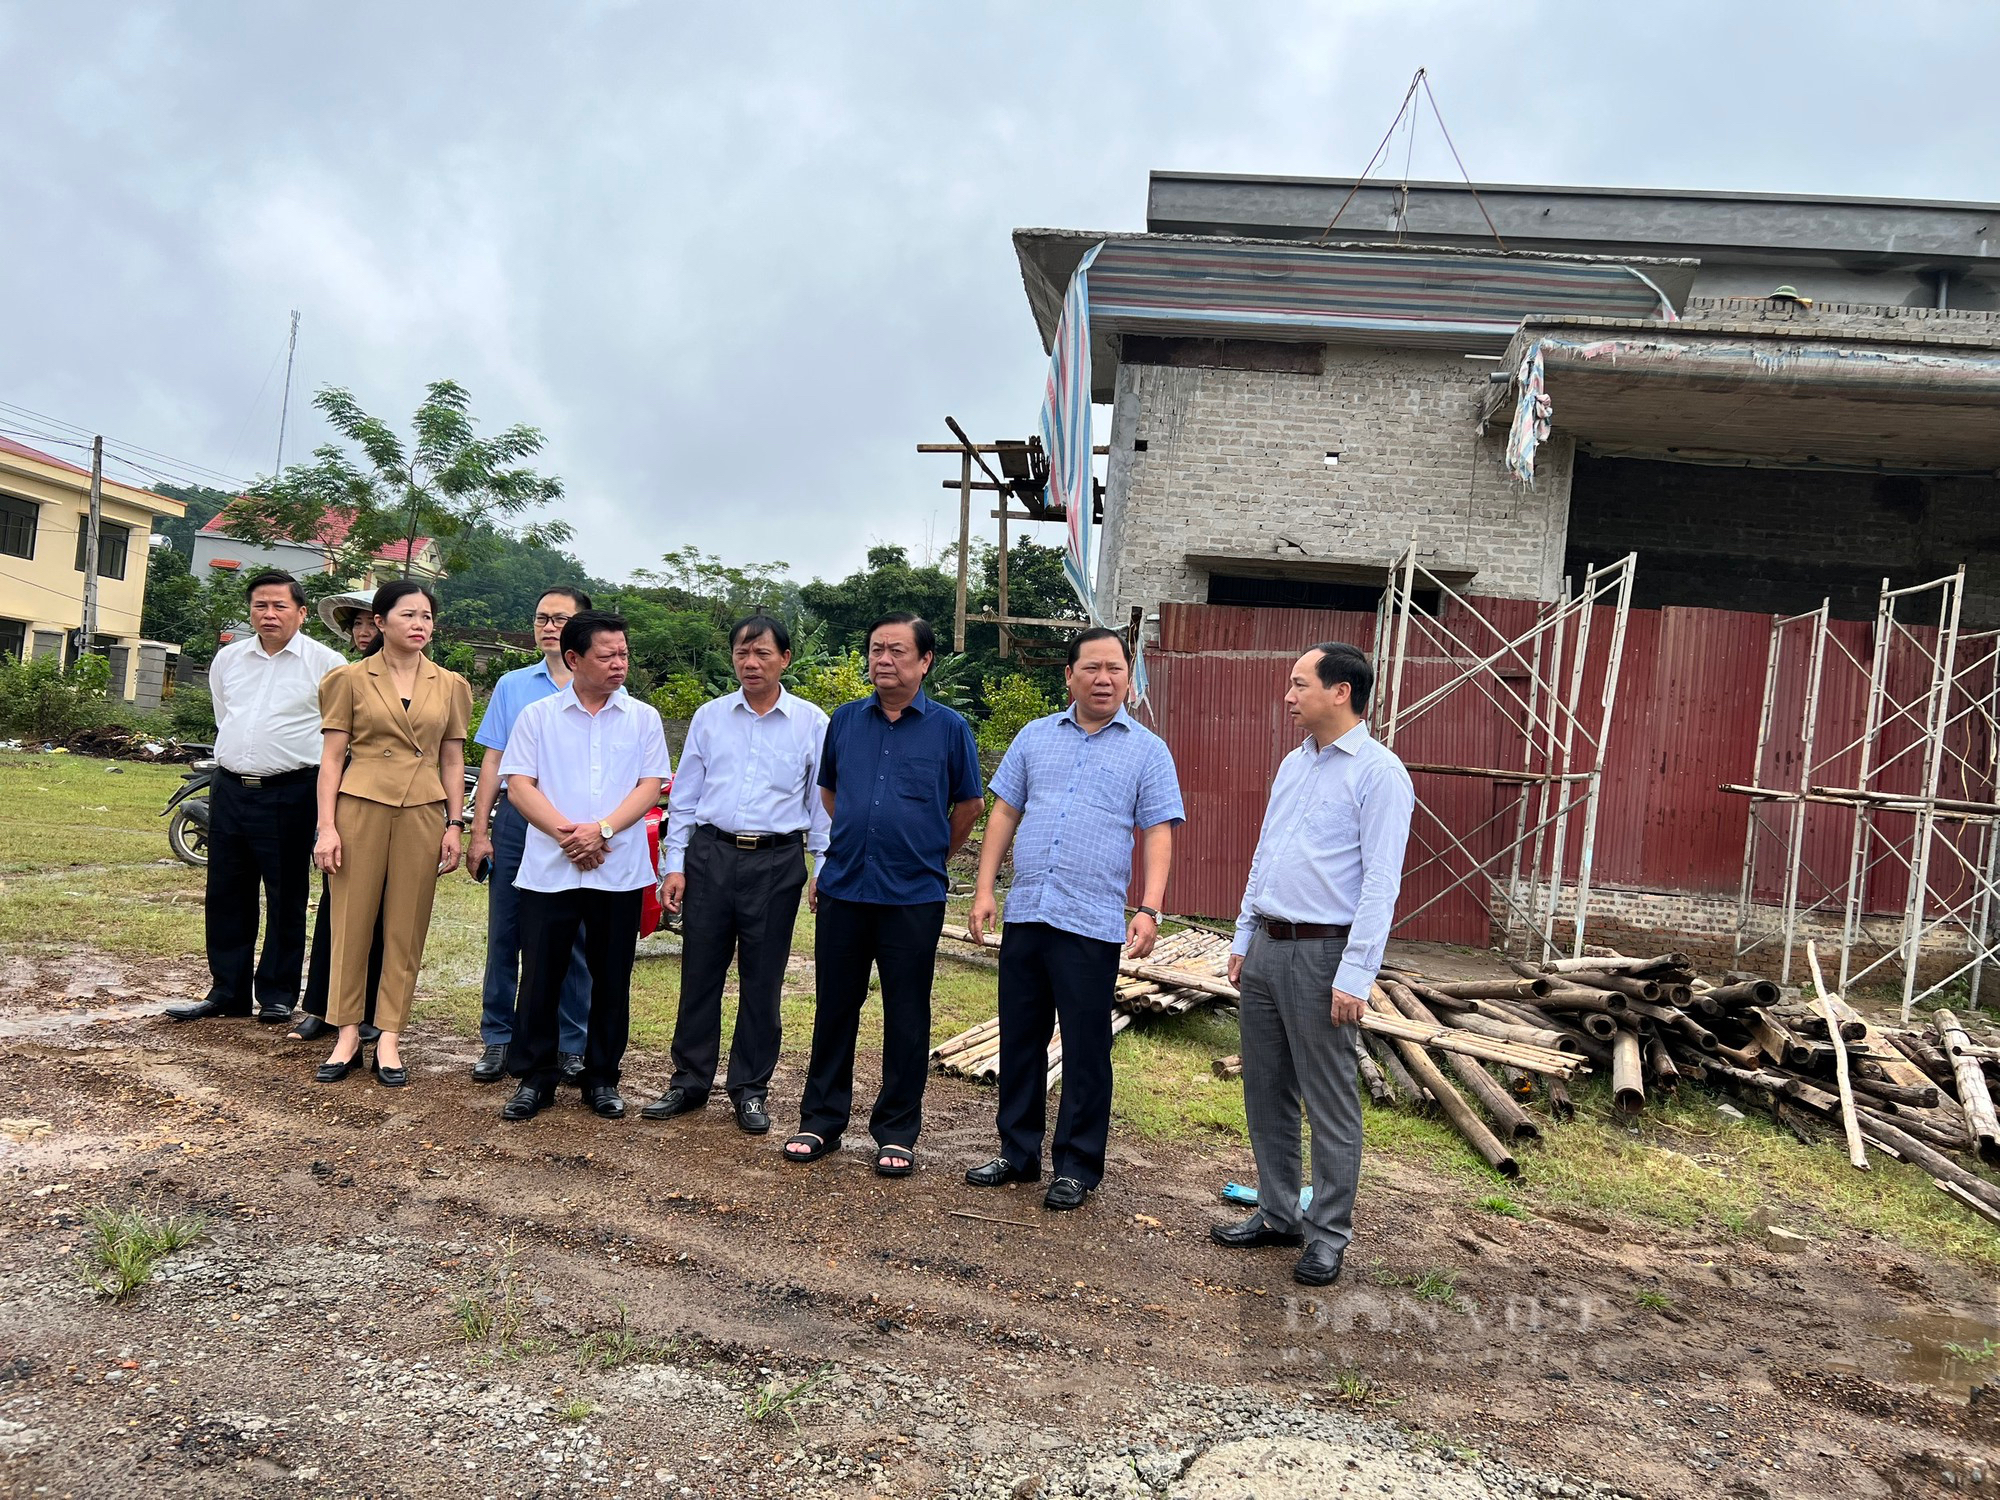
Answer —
1066 429
1301 289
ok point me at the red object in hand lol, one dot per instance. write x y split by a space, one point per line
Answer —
651 912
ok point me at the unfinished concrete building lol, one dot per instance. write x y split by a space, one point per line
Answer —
1773 400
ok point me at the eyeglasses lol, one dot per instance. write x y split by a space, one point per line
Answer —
552 619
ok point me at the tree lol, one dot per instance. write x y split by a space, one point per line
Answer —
498 578
173 597
448 484
203 505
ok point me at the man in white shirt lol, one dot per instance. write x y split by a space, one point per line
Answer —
584 768
261 805
746 812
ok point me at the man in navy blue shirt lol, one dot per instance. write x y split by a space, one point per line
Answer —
900 777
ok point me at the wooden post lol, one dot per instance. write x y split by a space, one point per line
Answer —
1000 563
1857 1154
964 543
1973 1094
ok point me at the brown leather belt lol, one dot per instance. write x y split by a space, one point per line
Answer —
1291 932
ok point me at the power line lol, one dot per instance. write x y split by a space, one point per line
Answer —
165 461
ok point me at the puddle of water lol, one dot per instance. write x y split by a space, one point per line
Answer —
1949 1350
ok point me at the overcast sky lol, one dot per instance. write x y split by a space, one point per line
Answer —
737 261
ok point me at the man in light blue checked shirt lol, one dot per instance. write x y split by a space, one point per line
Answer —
1316 915
1069 793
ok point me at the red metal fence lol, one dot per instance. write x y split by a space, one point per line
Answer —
1689 695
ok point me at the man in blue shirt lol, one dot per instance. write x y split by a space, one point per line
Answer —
499 834
1316 916
899 774
1068 794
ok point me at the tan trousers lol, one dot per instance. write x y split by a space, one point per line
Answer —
388 865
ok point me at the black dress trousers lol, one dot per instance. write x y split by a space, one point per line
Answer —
260 840
551 923
1049 975
741 904
901 942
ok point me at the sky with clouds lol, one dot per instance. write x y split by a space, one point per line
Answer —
738 261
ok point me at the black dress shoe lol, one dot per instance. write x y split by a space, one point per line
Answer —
1065 1193
1252 1234
491 1065
528 1101
1000 1171
674 1102
202 1010
309 1028
370 1032
750 1116
603 1100
332 1072
274 1015
390 1078
569 1067
1319 1266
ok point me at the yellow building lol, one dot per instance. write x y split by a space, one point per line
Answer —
44 512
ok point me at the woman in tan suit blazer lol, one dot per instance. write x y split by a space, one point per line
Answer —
391 768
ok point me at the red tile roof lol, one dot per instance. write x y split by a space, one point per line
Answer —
333 529
22 450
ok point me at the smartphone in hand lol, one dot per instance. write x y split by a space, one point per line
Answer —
484 868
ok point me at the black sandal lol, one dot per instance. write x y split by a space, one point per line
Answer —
885 1155
817 1146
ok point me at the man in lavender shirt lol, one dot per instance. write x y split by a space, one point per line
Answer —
1315 919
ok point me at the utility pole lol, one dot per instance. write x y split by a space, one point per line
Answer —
285 408
90 535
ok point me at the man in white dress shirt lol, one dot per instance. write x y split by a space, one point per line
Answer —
746 812
584 768
261 805
1316 915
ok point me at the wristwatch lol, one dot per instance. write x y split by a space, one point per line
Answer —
454 822
1150 911
605 829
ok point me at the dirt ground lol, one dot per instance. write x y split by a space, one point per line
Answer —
398 1294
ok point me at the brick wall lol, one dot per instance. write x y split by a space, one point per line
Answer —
1234 460
1780 540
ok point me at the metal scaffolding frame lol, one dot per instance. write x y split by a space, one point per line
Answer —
1536 677
1925 798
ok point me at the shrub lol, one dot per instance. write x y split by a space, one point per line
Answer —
191 712
679 696
1011 702
39 700
832 681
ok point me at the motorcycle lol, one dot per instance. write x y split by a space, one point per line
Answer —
187 827
187 812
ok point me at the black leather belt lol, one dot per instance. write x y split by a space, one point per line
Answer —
281 778
1291 932
750 840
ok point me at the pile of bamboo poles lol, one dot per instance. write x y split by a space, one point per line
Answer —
1652 1025
1155 985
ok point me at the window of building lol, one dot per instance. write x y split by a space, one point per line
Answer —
113 541
13 639
17 526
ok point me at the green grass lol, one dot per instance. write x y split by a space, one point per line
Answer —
576 1413
1505 1207
1652 1299
125 1245
776 1398
1436 1286
1973 1354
